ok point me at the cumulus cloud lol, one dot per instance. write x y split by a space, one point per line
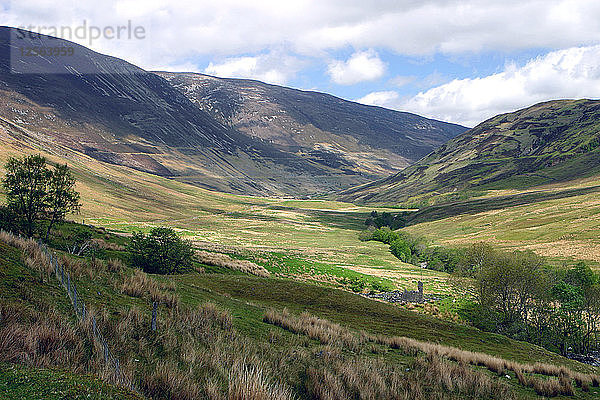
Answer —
569 73
383 98
188 28
361 66
271 68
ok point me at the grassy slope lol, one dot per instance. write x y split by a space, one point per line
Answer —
545 143
318 235
247 298
559 221
21 285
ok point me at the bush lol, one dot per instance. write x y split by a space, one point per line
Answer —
401 250
160 252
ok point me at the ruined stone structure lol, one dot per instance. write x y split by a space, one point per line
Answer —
396 296
413 296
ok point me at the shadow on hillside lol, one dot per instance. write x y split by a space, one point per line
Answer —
475 206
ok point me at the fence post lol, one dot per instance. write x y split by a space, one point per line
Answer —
75 299
117 369
105 346
154 309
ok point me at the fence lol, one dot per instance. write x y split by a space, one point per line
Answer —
64 278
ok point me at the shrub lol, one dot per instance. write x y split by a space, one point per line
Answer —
401 250
160 252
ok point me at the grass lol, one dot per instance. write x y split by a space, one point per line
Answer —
315 238
563 229
28 383
214 341
327 333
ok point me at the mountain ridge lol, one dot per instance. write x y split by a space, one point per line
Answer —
369 138
551 141
119 113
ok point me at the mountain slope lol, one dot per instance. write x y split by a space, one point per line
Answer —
320 127
118 113
121 114
548 142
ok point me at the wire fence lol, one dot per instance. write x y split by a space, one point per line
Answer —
82 312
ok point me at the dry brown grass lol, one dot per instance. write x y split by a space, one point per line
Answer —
143 286
168 381
225 261
248 382
316 328
34 257
550 387
376 379
104 245
331 333
115 265
41 340
201 356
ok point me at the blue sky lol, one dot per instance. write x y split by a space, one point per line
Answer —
459 61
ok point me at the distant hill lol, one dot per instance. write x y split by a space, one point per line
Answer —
317 126
548 142
111 110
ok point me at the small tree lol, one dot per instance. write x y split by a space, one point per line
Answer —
62 197
34 192
160 252
25 184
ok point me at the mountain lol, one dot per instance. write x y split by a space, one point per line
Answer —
319 127
83 102
548 142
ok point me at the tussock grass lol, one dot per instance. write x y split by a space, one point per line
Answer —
143 286
196 353
315 328
115 265
42 340
376 379
225 261
33 255
501 366
332 333
104 245
167 381
248 382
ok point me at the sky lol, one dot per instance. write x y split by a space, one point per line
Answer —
457 61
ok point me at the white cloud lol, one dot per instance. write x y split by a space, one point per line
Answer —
570 73
361 66
401 80
188 28
382 98
273 68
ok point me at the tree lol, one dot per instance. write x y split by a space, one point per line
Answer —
25 184
62 197
160 252
34 192
568 317
401 250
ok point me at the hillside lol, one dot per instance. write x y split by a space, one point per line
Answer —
115 112
317 126
221 331
546 143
